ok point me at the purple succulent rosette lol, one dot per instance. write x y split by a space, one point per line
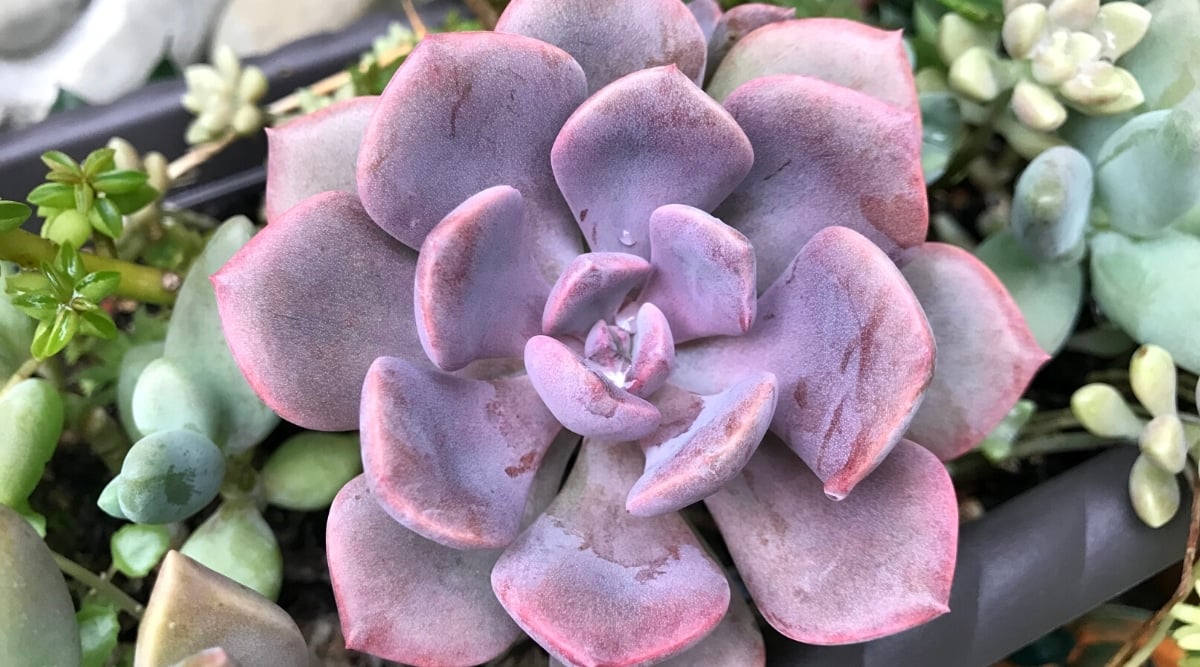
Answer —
551 231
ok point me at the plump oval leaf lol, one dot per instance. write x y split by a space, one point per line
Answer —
169 475
308 470
237 542
1051 204
1148 288
31 420
167 397
196 343
138 548
39 626
12 214
1148 172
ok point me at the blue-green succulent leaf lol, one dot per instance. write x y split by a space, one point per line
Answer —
1148 287
1049 295
132 364
169 396
1148 172
196 342
941 126
169 476
1051 204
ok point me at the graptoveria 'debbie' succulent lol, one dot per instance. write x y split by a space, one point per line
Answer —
755 272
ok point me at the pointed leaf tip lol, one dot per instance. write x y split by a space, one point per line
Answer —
454 90
703 442
315 153
857 160
868 356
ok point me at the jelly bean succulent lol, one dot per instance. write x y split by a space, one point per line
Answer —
1120 204
535 235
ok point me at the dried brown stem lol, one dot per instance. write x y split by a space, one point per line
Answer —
1122 657
484 12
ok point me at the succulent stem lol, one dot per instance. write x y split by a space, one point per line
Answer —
1059 443
24 372
103 587
140 283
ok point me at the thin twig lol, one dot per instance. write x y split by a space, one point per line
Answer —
102 586
414 19
24 372
1059 443
197 156
484 12
1186 582
329 84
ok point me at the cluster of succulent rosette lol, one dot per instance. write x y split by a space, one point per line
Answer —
552 232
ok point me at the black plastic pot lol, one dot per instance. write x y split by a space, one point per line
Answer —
152 118
1027 567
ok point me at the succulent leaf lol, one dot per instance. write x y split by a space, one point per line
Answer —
193 608
479 293
703 278
707 13
879 350
308 469
582 397
651 33
986 354
404 598
703 442
1147 287
39 625
818 146
904 515
169 476
479 109
31 421
1049 296
653 354
133 364
324 246
591 288
839 51
585 558
167 397
740 21
1148 172
237 542
334 134
452 459
648 139
196 343
1051 204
